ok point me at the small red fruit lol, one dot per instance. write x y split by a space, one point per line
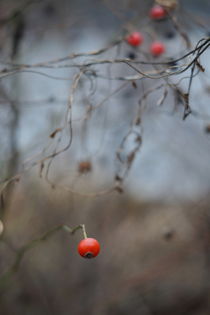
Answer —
88 247
135 39
157 49
157 12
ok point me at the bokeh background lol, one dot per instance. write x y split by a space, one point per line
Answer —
154 236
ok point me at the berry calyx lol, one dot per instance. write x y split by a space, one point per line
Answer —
89 247
170 35
157 48
131 55
157 12
135 39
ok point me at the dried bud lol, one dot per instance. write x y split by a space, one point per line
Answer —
207 129
84 167
1 227
168 234
119 189
168 4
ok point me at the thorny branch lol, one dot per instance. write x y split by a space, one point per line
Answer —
162 70
20 253
90 68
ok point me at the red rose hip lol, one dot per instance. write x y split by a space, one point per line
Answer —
135 39
157 12
89 247
157 49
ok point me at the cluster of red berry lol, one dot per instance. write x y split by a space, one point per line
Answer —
90 247
135 39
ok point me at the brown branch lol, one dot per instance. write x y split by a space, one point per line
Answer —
20 253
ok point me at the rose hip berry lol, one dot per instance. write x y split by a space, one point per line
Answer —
89 247
135 39
157 12
157 49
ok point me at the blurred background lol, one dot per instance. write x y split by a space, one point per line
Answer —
67 134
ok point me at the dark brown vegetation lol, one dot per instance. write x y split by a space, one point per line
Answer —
154 257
